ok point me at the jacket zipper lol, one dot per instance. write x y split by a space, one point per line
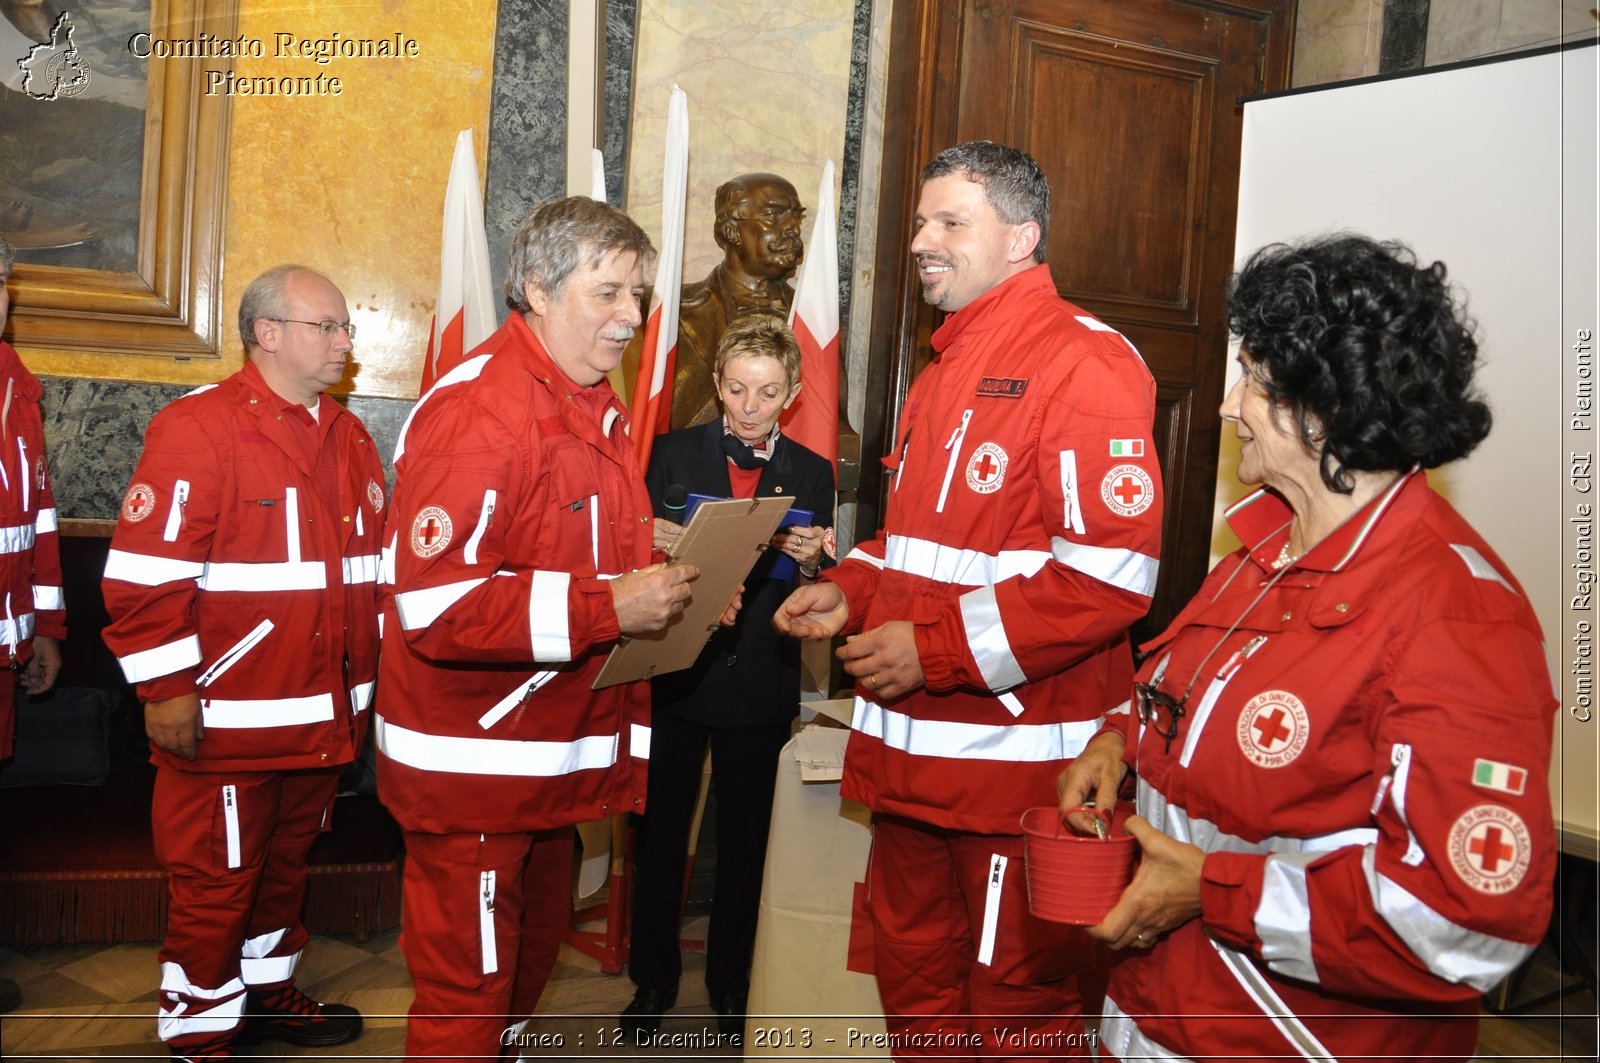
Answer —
954 447
485 518
180 498
1208 701
232 657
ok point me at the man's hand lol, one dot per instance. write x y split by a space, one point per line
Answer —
648 599
39 674
174 724
885 658
815 611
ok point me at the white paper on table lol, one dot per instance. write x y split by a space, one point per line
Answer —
820 752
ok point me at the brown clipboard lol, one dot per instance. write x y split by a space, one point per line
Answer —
723 540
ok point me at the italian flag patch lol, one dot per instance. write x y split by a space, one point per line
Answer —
1492 775
1127 448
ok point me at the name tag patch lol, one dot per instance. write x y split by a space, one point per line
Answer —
999 387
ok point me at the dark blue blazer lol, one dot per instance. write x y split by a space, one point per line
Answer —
747 674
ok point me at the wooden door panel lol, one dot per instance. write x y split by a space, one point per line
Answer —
1073 101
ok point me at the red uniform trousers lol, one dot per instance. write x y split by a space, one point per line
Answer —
965 970
234 845
484 917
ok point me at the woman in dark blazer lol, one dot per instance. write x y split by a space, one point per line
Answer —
742 694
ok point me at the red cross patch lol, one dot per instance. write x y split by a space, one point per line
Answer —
1127 490
375 495
1274 728
430 532
986 469
1490 848
138 503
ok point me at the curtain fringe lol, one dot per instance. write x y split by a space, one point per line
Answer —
45 908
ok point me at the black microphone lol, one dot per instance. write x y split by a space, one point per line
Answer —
675 501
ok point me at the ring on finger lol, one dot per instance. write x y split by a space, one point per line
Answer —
1141 939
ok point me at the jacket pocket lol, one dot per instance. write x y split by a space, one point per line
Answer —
236 653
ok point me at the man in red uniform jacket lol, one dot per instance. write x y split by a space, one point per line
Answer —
988 618
242 588
518 551
30 557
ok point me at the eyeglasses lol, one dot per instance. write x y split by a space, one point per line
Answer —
1151 701
326 328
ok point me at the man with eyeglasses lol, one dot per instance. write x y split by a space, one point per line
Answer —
987 623
242 589
758 218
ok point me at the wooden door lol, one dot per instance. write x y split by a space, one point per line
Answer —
1131 108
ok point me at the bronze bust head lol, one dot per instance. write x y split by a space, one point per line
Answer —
758 218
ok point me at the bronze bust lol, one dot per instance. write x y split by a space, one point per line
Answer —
758 218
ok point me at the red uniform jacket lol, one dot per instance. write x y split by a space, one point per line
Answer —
1364 757
228 574
516 493
1021 540
30 556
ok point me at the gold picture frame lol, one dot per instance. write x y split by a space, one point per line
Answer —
167 311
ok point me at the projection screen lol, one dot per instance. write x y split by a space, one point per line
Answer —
1491 168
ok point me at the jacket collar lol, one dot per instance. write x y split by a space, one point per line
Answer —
1261 521
995 307
267 406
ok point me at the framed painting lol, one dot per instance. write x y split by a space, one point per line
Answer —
113 168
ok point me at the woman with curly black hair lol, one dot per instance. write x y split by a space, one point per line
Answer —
1342 743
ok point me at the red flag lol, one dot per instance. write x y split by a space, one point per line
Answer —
464 316
652 388
813 420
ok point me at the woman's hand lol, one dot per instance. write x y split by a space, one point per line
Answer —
1164 893
666 534
802 544
1093 778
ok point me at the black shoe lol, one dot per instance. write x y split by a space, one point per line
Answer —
730 1009
642 1017
288 1015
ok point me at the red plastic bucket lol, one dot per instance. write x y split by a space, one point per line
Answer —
1075 878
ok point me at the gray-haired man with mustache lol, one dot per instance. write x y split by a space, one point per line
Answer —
518 550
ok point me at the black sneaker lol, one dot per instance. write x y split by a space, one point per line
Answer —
288 1015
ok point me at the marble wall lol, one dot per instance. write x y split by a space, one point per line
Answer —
1336 40
1469 29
